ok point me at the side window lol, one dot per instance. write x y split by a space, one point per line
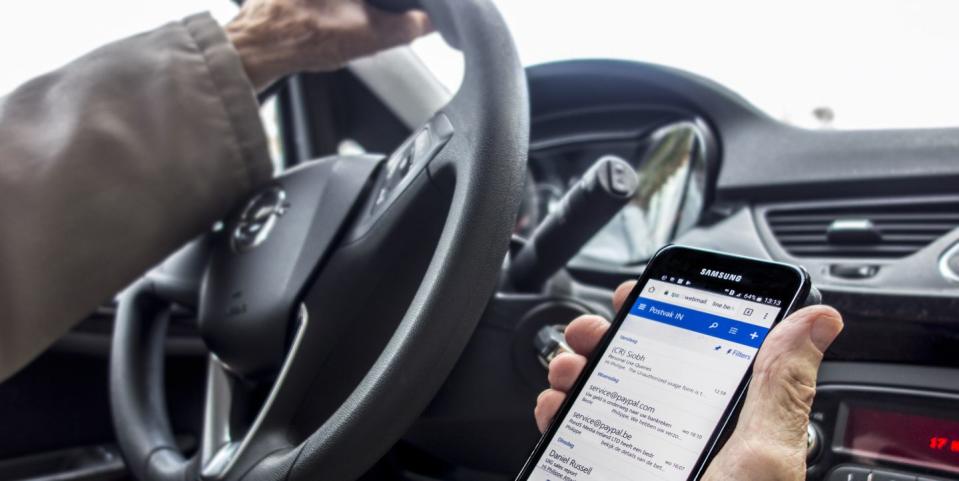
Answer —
56 32
270 114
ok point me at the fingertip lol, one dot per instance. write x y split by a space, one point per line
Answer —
827 324
584 333
564 369
547 405
622 292
821 323
394 29
412 25
421 21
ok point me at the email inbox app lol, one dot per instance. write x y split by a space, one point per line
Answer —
660 388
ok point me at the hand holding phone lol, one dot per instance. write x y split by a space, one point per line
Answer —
771 432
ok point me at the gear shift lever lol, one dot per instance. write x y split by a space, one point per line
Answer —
602 192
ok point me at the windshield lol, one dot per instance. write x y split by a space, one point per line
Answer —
851 64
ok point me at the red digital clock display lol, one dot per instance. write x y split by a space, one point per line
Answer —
903 438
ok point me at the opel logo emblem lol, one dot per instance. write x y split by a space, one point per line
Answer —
258 219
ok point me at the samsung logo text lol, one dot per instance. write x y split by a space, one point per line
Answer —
721 275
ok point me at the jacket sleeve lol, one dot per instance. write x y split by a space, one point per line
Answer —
109 164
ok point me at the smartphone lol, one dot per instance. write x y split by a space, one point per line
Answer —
658 392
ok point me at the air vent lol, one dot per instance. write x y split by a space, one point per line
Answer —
876 231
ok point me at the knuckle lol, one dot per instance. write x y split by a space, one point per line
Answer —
590 321
753 458
790 380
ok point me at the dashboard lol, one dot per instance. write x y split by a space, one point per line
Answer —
873 216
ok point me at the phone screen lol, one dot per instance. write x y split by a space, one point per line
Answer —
667 377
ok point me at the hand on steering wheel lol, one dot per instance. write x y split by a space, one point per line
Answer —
769 441
279 37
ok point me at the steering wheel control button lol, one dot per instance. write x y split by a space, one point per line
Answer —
432 138
405 163
408 160
258 219
849 473
421 144
442 128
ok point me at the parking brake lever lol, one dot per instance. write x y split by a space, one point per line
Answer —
601 193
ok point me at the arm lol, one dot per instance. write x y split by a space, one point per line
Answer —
113 161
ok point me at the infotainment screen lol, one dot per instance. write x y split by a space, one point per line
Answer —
919 440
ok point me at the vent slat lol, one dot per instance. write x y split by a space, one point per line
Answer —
904 228
932 229
853 251
786 229
946 218
802 239
935 230
907 239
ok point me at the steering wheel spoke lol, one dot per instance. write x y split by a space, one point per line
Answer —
238 428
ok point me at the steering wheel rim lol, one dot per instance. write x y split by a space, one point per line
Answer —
474 160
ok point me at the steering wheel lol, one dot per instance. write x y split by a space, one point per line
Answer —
336 301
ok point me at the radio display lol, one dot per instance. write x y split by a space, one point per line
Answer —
924 441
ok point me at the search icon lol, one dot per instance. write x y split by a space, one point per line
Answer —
714 325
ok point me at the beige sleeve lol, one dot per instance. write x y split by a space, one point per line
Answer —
109 164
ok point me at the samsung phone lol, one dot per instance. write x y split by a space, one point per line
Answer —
669 374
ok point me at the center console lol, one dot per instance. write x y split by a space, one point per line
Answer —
874 422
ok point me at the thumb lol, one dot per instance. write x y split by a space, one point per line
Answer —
780 396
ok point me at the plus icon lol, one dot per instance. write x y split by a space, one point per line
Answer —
754 335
